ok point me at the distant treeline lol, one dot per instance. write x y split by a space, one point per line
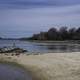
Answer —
9 38
62 33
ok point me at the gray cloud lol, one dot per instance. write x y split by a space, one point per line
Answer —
17 21
28 19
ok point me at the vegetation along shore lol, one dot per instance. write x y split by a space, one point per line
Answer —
54 34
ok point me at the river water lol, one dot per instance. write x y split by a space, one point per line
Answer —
43 47
9 72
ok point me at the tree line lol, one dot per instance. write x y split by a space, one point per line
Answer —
62 33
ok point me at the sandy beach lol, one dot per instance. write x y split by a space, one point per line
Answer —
51 66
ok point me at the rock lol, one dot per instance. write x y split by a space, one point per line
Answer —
12 50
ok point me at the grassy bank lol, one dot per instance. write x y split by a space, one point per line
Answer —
52 66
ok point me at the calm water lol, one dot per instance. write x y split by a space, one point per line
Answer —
8 72
43 47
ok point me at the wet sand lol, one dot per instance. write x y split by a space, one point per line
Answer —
49 66
9 72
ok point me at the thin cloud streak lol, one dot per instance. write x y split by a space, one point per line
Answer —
36 18
35 3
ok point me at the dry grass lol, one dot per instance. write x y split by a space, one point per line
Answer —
52 66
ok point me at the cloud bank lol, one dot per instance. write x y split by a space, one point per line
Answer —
24 17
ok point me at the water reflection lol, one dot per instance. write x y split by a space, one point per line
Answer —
43 46
64 48
8 72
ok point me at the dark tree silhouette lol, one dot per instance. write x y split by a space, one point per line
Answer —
62 34
52 34
72 34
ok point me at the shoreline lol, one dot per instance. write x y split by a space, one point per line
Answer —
52 66
13 71
45 41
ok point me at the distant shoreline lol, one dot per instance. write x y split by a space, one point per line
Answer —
52 41
9 39
39 40
44 41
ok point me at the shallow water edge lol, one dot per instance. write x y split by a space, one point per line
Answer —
13 71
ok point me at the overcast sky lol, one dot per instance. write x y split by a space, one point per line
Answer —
21 18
